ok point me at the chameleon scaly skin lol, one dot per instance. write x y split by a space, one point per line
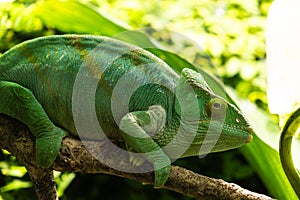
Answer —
37 80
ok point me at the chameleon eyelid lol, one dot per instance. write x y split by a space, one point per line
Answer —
217 107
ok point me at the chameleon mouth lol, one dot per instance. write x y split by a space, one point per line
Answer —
249 138
244 132
241 134
249 131
205 144
250 134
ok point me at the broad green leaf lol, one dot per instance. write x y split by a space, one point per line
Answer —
261 154
266 162
74 17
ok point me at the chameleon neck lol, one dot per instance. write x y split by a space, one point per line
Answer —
180 138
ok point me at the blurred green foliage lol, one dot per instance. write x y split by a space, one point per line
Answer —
229 35
231 32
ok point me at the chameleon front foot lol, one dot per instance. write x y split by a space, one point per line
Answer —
137 130
161 166
161 176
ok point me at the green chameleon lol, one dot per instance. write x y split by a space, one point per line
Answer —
137 99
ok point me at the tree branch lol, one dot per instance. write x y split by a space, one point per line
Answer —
74 157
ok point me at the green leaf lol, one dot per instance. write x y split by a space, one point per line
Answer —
75 17
16 171
262 156
63 181
266 163
15 185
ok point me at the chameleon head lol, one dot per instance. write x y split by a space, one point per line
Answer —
216 124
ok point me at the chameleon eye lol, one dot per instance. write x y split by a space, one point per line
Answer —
217 108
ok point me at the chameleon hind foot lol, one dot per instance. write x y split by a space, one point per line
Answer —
48 146
21 104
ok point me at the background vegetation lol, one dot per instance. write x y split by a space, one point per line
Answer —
223 38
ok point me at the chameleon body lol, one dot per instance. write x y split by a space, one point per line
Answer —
37 80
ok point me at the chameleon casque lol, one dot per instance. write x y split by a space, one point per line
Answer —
153 106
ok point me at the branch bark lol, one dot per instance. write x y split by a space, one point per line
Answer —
73 157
